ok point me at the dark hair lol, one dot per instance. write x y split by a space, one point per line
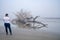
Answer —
6 14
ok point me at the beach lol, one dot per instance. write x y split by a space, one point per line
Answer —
19 33
27 34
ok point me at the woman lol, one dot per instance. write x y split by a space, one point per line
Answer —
7 24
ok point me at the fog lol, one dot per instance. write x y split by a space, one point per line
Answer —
42 8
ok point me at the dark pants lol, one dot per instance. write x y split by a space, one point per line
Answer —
7 26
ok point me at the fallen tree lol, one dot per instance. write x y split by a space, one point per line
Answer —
26 19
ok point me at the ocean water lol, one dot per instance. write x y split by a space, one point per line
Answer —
53 25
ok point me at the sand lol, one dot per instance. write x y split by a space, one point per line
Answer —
27 34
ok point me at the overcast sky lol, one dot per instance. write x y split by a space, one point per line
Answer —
43 8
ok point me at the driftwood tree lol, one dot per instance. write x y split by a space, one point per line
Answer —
25 19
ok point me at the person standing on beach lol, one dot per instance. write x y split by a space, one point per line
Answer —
7 24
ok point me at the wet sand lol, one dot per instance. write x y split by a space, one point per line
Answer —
27 34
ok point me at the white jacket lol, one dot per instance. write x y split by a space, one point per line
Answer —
6 20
